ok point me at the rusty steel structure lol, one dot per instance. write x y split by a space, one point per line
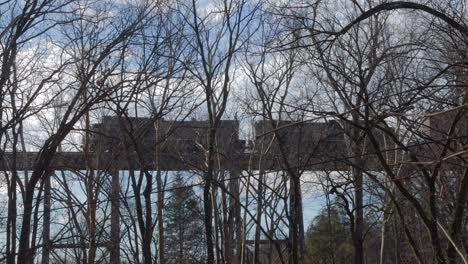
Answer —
142 144
115 146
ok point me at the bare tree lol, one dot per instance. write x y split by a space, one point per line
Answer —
215 33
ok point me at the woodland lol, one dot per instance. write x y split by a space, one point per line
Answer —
233 131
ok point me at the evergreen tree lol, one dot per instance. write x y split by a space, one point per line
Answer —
184 225
328 239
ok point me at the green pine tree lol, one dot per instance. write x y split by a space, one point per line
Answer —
328 239
184 225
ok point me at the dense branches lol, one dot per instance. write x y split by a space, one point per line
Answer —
355 107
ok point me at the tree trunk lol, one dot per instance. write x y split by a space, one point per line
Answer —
359 218
207 203
234 221
159 189
46 222
115 219
11 225
148 234
295 219
259 217
208 222
227 247
217 241
25 256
